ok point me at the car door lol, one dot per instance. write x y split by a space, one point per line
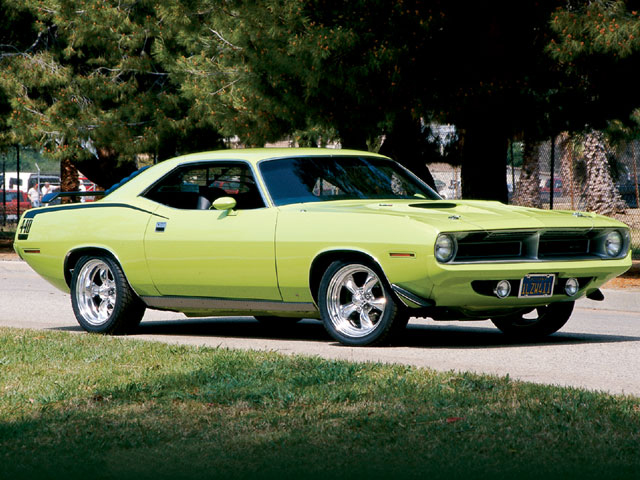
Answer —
194 251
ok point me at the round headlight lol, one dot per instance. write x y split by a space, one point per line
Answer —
613 244
445 248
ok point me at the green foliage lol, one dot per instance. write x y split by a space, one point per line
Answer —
16 35
371 68
598 44
515 154
102 81
77 88
29 158
91 90
599 27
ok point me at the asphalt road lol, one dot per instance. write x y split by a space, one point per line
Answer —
599 349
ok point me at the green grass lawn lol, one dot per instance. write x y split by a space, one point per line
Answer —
88 406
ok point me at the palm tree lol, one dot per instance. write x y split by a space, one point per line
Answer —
527 192
602 196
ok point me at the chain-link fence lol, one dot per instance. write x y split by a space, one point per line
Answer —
579 173
19 193
585 173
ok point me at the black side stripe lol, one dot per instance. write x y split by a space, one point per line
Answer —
32 213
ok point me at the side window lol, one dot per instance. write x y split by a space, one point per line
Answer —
198 186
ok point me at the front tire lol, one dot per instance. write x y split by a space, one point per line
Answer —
356 304
102 300
547 320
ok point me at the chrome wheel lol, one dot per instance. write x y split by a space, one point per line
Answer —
101 297
96 292
356 301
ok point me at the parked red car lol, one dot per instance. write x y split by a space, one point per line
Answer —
557 186
11 202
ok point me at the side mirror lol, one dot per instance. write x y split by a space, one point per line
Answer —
224 203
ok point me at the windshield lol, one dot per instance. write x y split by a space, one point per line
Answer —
317 179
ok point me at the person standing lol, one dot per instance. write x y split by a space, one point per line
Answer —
82 188
34 195
46 189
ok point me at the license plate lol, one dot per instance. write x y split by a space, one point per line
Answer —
537 285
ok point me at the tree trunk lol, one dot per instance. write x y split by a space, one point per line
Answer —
634 154
68 179
353 137
527 193
107 169
484 161
602 195
405 143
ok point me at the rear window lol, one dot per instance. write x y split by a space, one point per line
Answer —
125 180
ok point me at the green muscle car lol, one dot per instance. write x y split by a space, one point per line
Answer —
349 237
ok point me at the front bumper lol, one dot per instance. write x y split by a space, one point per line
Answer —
468 287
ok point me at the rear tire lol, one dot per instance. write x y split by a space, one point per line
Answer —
102 300
548 320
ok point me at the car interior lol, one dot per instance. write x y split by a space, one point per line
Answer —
197 187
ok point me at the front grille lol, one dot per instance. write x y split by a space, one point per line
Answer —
529 245
481 250
563 247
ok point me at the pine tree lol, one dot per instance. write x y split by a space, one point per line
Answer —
374 68
598 44
16 36
568 172
90 91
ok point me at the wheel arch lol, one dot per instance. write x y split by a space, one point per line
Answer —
74 255
322 261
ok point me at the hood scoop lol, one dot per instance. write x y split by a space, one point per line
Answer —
438 205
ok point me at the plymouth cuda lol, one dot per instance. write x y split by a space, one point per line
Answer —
348 237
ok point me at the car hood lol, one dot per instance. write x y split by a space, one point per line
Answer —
460 215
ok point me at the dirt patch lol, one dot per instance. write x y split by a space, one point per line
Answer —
623 282
630 279
6 245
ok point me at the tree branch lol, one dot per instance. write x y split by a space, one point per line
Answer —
227 42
